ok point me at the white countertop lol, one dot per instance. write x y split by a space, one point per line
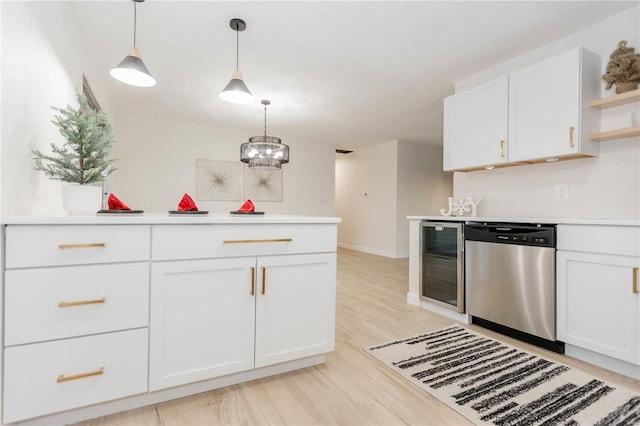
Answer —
163 219
595 221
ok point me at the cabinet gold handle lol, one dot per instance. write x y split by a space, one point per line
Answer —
635 280
81 302
88 245
274 240
63 378
264 275
253 281
571 129
501 149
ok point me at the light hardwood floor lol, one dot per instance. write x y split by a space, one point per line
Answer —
351 388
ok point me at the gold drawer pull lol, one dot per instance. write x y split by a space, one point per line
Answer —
635 280
253 281
82 302
501 149
88 245
571 129
63 378
264 275
275 240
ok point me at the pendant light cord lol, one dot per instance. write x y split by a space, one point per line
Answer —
265 122
135 20
237 46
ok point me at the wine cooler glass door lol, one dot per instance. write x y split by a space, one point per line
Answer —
441 274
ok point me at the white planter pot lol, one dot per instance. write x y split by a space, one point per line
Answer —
81 199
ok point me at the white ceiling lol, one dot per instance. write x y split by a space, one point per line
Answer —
349 74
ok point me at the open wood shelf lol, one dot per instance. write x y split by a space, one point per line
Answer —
615 134
615 100
610 102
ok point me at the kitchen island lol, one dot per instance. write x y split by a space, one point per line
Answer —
110 312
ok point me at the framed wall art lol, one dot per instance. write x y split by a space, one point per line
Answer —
218 180
262 185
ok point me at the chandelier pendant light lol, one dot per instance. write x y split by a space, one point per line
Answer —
236 91
264 151
131 70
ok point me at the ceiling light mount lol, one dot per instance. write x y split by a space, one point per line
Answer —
236 91
132 70
236 24
264 151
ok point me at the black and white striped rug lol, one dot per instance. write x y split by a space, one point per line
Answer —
490 382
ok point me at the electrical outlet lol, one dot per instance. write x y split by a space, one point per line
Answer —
562 191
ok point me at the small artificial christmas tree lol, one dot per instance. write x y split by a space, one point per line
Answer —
84 157
623 68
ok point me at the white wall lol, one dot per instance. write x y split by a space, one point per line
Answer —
366 193
606 186
43 60
423 188
157 158
399 179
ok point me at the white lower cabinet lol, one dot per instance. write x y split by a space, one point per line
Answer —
215 317
98 318
598 300
202 319
49 377
598 309
295 314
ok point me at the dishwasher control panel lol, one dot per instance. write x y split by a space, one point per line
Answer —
520 234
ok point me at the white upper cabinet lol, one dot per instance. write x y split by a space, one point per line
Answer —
548 107
475 126
536 114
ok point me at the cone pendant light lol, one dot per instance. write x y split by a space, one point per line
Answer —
236 91
132 70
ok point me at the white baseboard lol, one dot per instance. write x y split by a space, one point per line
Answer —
454 315
603 361
413 299
393 255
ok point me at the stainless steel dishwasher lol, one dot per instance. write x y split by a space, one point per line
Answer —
510 280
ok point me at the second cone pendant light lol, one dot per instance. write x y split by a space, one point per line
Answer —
236 91
131 70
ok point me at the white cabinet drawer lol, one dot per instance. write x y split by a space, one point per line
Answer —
53 303
620 240
50 245
39 378
204 241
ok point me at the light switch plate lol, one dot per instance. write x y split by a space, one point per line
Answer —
562 191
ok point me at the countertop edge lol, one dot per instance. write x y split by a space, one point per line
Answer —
557 221
166 219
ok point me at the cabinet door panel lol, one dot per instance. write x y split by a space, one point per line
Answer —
295 315
544 102
597 309
475 123
202 320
